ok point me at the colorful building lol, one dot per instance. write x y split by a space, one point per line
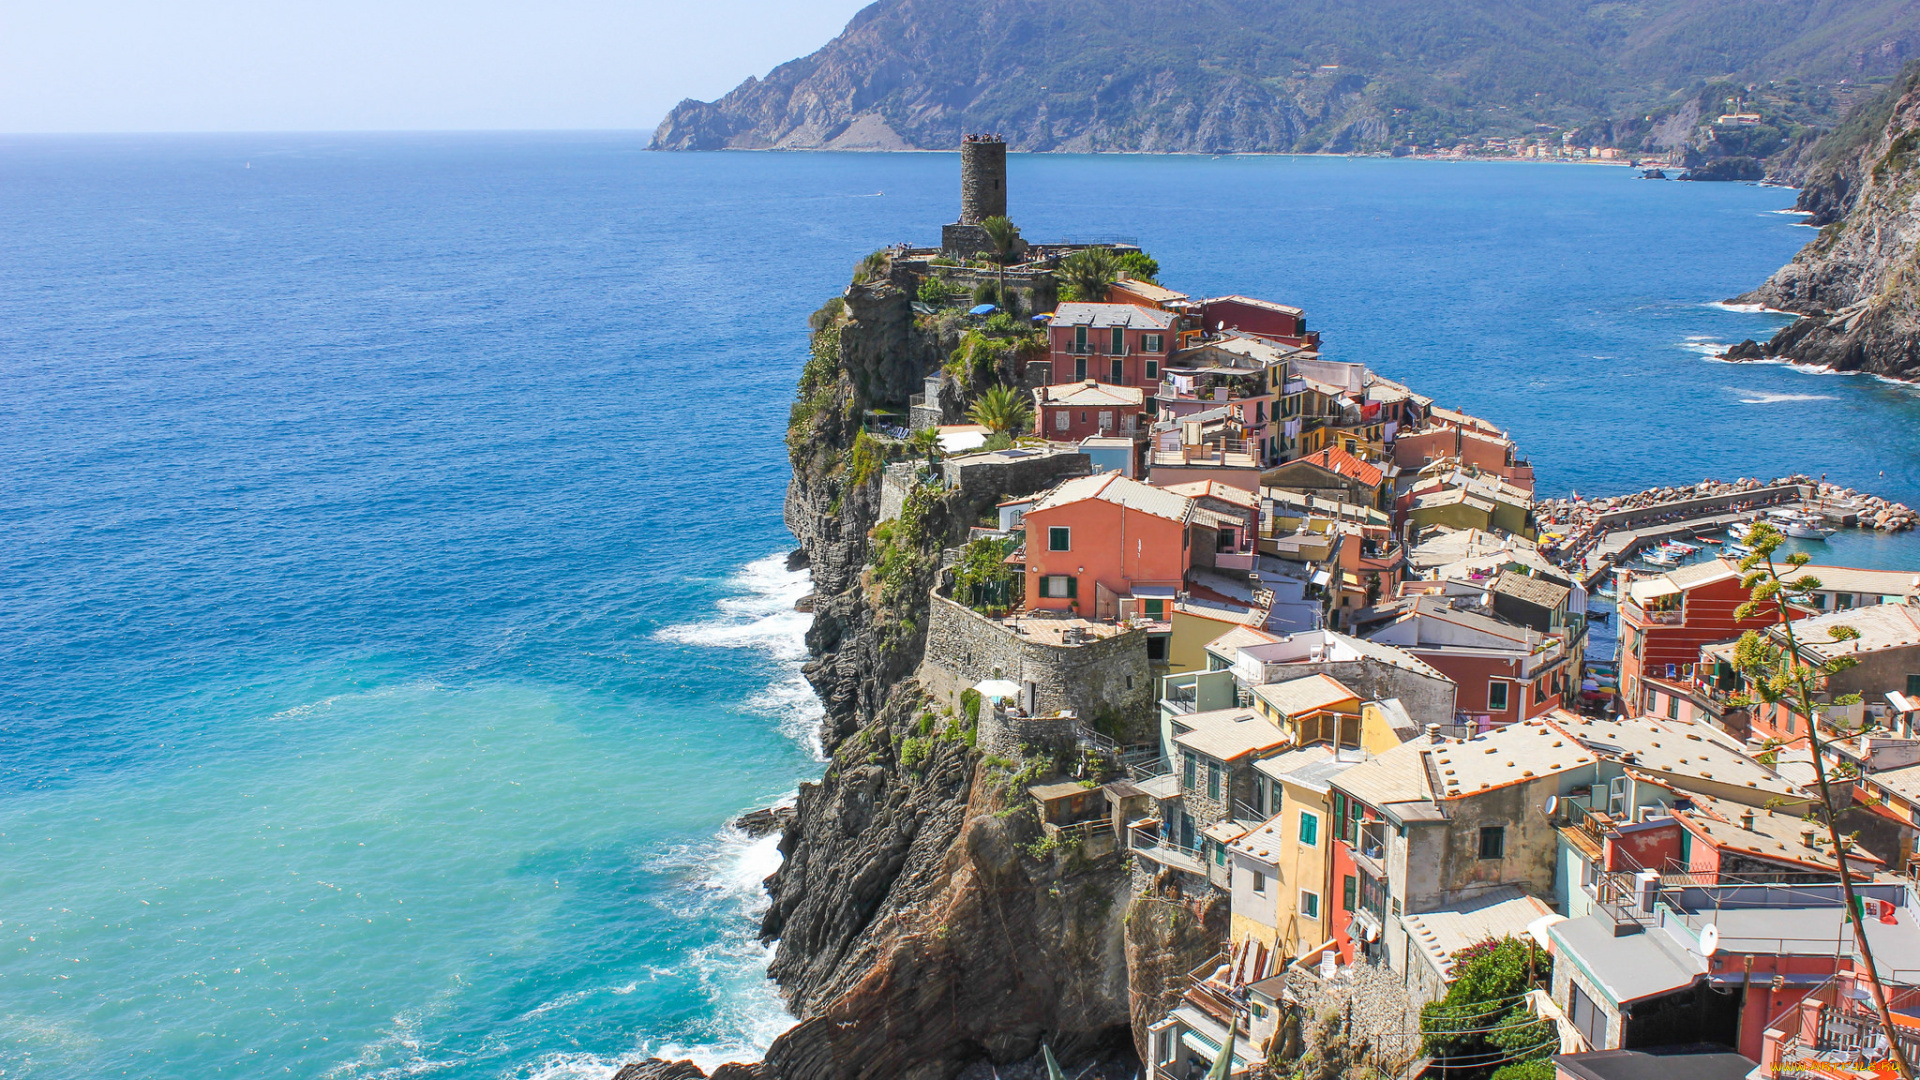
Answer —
1122 344
1094 540
1070 412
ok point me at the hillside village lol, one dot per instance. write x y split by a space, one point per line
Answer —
1287 631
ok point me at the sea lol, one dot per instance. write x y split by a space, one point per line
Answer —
393 602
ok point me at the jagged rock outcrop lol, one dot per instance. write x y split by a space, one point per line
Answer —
924 923
1856 284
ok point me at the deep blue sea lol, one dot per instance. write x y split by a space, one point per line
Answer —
391 613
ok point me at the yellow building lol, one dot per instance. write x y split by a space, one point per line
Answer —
1280 870
1318 708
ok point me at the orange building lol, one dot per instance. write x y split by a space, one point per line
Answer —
1094 540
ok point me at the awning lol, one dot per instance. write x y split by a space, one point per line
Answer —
1156 592
1901 702
982 309
1651 588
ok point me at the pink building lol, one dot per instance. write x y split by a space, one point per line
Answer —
1070 412
1114 343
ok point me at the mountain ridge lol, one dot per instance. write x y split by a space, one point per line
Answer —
1223 76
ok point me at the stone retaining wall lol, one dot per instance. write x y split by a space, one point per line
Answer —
1108 684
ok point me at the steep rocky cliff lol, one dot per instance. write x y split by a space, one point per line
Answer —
1276 75
1856 284
924 921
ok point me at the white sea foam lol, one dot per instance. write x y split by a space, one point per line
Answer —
1768 398
571 1067
1706 347
759 615
1746 309
402 1049
720 881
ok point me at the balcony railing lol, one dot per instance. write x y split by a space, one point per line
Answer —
1639 614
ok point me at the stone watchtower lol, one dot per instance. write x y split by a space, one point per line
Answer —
983 194
983 179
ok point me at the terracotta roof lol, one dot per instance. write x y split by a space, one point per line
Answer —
1335 460
1536 591
1775 836
1157 293
1090 392
1214 489
1119 490
1451 497
1268 304
1297 696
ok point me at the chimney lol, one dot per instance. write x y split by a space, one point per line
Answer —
1647 887
1746 819
1806 837
1433 734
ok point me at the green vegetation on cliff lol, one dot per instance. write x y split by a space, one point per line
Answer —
1269 75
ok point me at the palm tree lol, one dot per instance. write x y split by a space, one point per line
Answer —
926 442
1089 272
1005 236
1001 409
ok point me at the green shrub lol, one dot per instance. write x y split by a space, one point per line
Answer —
865 460
914 752
939 292
1484 1017
983 582
970 704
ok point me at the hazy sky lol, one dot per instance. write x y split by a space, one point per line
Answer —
332 65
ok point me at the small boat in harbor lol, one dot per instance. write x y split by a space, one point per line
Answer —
1677 548
1806 530
1739 530
1738 550
1661 557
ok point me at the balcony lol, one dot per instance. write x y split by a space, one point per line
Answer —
1150 845
1645 617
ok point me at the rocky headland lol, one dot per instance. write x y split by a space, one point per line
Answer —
925 925
1856 286
1242 76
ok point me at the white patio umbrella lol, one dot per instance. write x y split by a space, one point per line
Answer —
998 689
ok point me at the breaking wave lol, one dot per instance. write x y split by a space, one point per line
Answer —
760 615
721 885
1745 309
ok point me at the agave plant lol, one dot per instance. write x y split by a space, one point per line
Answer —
1001 409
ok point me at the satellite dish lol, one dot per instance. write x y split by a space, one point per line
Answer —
1709 940
1552 804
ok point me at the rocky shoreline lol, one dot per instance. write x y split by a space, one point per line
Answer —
1853 286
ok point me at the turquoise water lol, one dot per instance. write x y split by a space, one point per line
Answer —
390 605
